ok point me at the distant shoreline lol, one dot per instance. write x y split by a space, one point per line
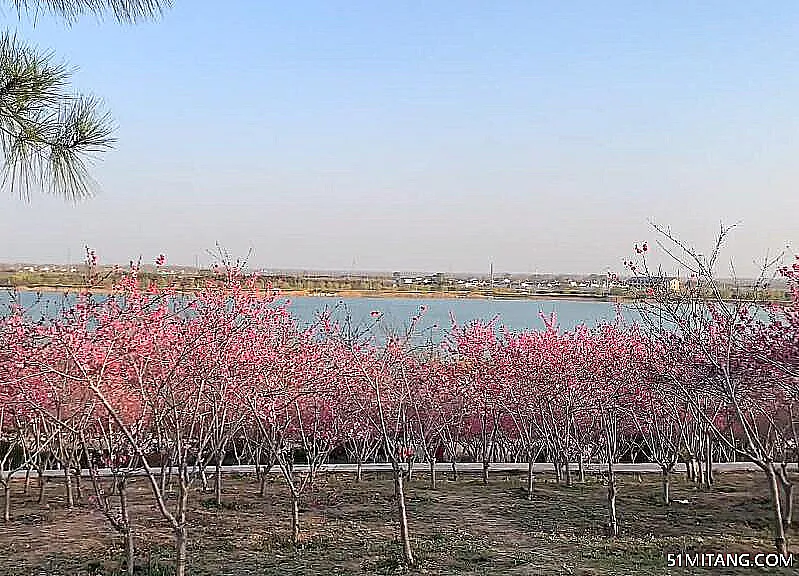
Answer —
385 294
376 294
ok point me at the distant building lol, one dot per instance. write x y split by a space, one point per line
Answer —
663 282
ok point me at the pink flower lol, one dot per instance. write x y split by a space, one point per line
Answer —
374 313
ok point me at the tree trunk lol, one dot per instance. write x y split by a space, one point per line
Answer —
181 530
262 487
556 466
700 470
218 481
614 523
203 478
68 487
454 466
407 552
164 473
28 480
7 502
181 537
359 470
78 491
709 460
787 492
779 528
130 551
581 469
485 472
666 477
40 500
295 519
530 479
568 473
433 483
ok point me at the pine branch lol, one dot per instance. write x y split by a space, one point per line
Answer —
127 11
47 135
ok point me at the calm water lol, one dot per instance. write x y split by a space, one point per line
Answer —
397 312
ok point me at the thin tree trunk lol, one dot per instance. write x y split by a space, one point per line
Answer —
359 470
7 502
530 479
709 460
666 478
787 491
700 470
130 551
407 552
68 487
181 531
40 500
164 473
454 466
568 473
485 472
28 480
181 560
204 478
779 528
788 516
78 491
433 479
218 481
295 519
614 523
581 468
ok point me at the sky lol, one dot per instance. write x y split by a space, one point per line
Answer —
429 136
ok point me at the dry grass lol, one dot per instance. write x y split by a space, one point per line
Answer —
461 528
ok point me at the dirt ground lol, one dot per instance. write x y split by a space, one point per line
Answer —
461 527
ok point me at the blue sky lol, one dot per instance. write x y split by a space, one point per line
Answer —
542 136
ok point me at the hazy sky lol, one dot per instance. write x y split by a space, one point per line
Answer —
433 136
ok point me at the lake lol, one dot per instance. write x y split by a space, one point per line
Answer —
397 312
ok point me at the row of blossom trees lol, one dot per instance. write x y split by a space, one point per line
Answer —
173 386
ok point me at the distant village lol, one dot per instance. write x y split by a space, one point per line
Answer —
333 283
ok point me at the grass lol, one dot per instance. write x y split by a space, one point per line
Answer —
461 528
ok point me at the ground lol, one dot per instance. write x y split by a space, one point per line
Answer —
461 527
